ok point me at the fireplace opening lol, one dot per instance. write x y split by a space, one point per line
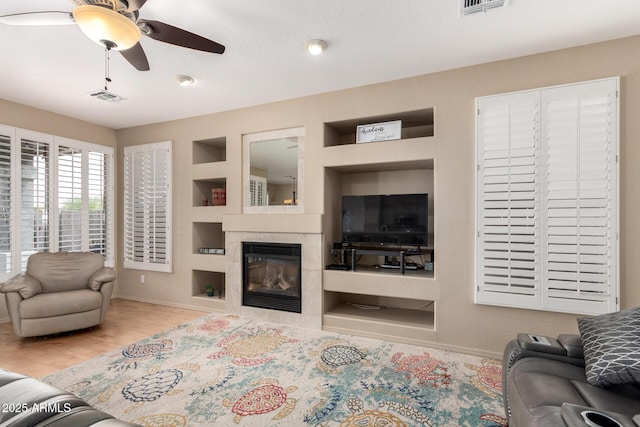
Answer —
272 276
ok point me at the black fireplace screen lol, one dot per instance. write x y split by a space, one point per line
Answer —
272 276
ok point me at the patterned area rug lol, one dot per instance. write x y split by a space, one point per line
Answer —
230 370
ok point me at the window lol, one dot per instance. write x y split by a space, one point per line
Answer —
547 198
258 191
147 207
47 186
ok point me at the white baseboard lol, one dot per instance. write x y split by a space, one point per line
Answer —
163 302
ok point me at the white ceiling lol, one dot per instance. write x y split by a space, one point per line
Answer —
369 41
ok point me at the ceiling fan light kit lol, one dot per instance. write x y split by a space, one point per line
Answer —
115 25
106 27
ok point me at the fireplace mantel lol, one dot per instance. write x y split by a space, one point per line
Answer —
273 223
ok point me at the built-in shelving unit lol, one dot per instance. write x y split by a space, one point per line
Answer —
208 172
369 301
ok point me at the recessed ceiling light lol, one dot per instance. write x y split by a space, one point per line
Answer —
316 46
184 80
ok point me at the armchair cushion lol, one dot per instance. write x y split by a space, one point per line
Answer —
24 284
64 271
52 304
105 274
612 347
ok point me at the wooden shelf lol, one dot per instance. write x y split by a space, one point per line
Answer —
208 213
214 171
405 325
218 304
411 286
209 169
202 190
208 262
416 153
415 124
210 150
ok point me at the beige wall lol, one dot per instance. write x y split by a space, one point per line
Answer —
460 323
22 116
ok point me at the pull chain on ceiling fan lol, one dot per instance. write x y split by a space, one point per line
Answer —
115 24
107 79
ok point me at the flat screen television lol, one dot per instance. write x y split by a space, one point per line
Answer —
391 219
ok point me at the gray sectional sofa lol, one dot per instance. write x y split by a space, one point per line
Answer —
591 379
27 402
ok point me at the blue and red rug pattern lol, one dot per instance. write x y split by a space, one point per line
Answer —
230 370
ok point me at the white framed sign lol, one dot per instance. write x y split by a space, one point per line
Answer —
384 131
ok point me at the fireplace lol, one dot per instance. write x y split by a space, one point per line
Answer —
272 276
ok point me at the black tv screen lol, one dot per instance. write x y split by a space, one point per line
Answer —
396 219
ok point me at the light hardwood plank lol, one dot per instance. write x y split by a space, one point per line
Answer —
127 321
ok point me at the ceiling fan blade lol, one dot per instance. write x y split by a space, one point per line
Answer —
136 57
179 37
49 17
135 4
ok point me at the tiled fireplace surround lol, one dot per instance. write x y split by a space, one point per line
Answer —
311 291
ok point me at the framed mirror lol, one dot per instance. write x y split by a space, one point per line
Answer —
272 171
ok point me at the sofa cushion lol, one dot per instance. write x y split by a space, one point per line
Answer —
64 271
612 347
60 303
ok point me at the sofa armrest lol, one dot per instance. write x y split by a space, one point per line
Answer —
104 275
564 349
572 343
576 416
26 285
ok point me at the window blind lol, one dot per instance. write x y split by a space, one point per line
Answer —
258 191
70 201
45 186
147 204
581 197
35 186
508 181
547 198
6 201
100 209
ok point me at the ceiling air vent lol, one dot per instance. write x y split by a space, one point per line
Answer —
467 7
105 95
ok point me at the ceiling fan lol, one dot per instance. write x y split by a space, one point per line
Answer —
115 24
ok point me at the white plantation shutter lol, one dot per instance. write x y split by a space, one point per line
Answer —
581 202
100 173
70 199
147 207
509 238
35 227
40 177
6 201
258 191
84 198
547 199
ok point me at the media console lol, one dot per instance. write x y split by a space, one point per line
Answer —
402 265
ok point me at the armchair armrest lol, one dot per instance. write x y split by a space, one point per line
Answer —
26 285
104 275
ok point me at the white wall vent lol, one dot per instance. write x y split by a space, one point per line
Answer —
105 95
468 7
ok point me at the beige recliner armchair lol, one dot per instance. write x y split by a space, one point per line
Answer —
59 292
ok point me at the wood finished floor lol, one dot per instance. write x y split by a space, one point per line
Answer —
127 321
